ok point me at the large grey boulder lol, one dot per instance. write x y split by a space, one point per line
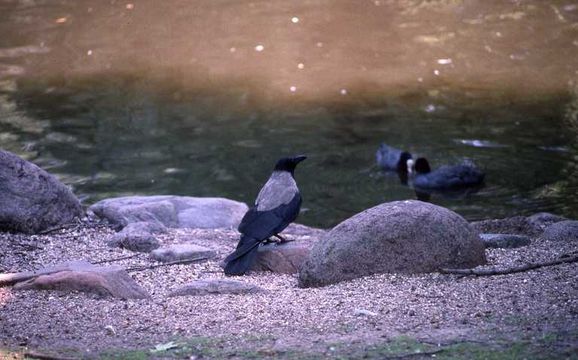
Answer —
397 237
32 200
111 281
172 211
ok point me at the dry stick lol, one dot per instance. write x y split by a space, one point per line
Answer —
423 353
527 267
39 356
58 227
115 259
178 262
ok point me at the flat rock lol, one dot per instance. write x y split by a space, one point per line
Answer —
182 252
504 240
397 237
172 211
138 236
304 231
216 286
112 281
283 258
518 225
542 220
32 200
563 231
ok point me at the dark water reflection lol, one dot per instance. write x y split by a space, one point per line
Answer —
173 97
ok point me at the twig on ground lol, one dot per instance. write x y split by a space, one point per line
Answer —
527 267
179 262
28 246
115 259
423 353
59 227
39 356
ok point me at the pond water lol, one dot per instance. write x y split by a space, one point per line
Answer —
201 97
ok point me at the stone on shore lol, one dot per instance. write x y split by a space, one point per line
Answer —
182 252
171 211
138 236
111 281
216 286
32 200
504 241
531 226
396 237
283 258
564 231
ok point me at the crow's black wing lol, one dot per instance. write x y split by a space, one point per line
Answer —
261 225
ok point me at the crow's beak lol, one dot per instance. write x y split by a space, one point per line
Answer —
299 158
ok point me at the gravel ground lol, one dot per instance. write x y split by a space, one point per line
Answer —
536 308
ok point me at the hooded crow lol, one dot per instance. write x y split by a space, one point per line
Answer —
276 206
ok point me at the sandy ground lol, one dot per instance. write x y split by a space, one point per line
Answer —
532 314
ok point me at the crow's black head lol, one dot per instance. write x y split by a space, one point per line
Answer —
289 163
402 163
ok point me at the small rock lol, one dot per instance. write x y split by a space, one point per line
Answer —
518 225
138 236
283 258
216 286
32 200
563 231
364 312
504 240
112 281
181 252
543 220
110 330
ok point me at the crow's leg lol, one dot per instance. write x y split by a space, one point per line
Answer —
270 241
281 239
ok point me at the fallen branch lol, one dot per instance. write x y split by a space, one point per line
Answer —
423 353
58 227
178 262
39 356
116 259
527 267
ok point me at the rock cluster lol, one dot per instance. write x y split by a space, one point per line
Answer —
397 237
141 218
171 211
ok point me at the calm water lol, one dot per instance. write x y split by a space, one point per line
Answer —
201 97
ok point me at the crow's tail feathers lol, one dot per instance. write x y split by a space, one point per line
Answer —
243 257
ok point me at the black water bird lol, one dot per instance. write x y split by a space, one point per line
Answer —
276 206
389 158
446 177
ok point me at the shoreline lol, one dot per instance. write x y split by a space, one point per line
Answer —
536 311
